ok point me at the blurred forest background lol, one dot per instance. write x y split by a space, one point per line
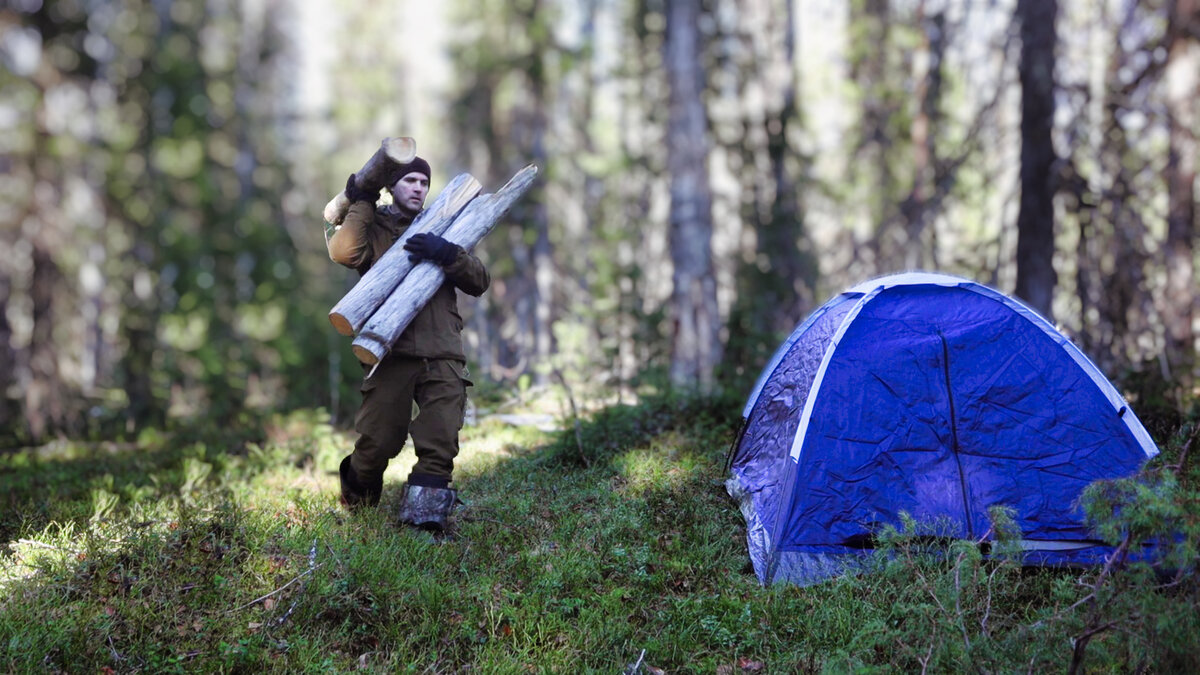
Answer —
712 170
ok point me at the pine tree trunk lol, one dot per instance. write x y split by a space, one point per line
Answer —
871 23
1036 277
8 365
924 130
695 347
1183 89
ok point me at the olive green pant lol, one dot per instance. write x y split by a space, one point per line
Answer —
385 419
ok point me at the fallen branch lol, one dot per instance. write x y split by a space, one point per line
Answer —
1178 466
310 570
38 544
312 560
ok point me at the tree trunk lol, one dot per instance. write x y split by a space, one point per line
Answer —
8 365
1182 91
695 347
787 242
871 24
925 124
1036 277
44 411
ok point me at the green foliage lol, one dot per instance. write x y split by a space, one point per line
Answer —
211 551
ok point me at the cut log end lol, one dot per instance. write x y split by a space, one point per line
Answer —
401 149
364 351
341 324
335 210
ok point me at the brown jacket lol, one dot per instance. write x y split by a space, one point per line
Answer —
436 332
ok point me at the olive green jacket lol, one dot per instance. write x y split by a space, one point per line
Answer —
436 332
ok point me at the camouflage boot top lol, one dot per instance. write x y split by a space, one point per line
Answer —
428 508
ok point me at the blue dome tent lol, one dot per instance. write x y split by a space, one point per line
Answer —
932 395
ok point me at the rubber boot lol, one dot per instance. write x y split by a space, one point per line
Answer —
428 508
355 493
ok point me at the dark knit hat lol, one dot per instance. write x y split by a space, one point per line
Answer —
418 165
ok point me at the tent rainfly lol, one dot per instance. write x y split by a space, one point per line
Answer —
932 395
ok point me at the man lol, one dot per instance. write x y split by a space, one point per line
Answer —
425 366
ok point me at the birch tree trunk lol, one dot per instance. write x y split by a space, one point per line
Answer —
695 342
1036 277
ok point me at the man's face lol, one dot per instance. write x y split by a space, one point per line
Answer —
409 192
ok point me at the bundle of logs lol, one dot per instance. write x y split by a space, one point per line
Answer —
388 297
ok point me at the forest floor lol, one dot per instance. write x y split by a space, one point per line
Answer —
608 547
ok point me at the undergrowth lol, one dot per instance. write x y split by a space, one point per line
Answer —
608 546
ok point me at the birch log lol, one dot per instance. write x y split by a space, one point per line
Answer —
394 315
353 310
378 173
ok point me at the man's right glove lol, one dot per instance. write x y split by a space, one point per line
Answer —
426 246
357 194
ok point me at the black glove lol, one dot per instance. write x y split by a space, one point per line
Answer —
426 246
357 194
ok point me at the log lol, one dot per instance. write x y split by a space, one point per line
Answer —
379 172
353 310
401 307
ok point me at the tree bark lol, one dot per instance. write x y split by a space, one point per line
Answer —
695 344
8 365
415 290
871 23
1183 89
924 129
353 310
1036 277
44 402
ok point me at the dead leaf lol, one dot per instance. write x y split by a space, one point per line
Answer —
750 666
109 610
725 669
269 604
254 625
655 671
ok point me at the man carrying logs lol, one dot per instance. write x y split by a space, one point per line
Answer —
426 364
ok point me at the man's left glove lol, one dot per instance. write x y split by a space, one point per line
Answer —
357 194
426 246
